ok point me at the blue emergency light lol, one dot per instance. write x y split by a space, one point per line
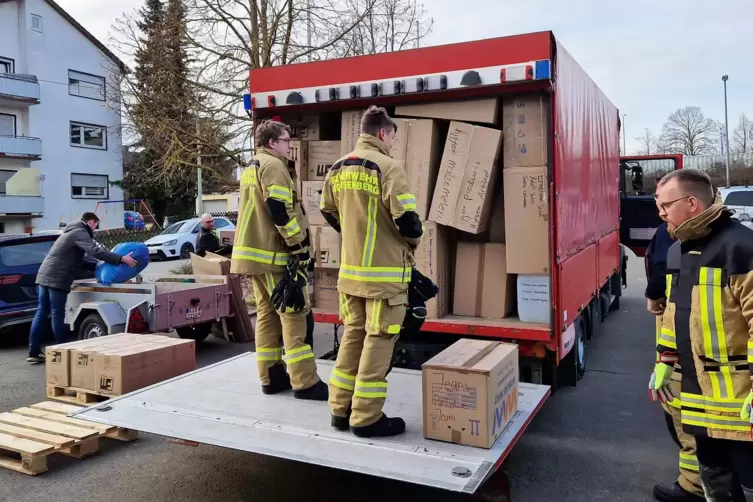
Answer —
247 102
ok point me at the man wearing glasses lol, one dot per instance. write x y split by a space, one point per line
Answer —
208 240
707 328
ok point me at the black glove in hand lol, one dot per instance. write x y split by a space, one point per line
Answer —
278 296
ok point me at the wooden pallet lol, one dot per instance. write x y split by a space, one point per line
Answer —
30 434
74 395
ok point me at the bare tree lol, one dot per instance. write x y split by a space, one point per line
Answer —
690 132
647 143
742 136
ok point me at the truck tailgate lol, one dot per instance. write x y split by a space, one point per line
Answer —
223 405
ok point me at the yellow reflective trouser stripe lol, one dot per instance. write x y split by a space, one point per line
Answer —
689 462
728 405
371 231
408 201
270 281
371 390
722 422
342 380
375 274
667 338
376 313
292 227
299 354
269 354
281 193
245 218
344 309
750 352
393 329
669 286
260 255
712 323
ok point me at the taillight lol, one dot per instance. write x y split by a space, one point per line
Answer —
136 322
10 279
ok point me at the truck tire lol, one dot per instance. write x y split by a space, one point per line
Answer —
574 365
197 332
92 327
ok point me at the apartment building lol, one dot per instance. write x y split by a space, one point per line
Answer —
60 137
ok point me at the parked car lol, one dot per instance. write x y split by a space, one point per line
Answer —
20 258
741 200
179 239
133 220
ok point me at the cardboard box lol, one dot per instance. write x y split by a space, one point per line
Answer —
433 260
534 302
327 244
470 392
350 130
226 237
483 288
399 150
311 197
527 220
422 158
321 156
525 127
299 156
321 127
483 111
325 290
467 175
210 264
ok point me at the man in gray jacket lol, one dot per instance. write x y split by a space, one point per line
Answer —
57 273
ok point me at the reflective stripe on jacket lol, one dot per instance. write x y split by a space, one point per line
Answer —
367 191
709 320
260 245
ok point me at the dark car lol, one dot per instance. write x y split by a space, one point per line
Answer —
20 258
134 220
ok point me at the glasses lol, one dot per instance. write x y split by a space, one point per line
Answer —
665 205
287 140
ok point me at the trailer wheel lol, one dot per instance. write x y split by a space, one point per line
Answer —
197 332
92 327
574 365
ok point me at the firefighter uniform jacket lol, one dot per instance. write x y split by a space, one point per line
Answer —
709 321
271 222
366 195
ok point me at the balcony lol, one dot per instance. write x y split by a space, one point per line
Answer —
22 194
20 147
18 91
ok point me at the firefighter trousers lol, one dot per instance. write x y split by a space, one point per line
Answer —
726 469
690 477
358 383
275 331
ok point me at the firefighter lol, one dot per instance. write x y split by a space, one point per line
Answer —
708 328
688 485
366 198
272 229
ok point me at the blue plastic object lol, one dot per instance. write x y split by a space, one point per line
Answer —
107 274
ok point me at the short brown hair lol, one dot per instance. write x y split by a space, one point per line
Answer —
375 119
88 216
269 130
692 182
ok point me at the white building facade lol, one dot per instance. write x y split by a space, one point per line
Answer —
60 134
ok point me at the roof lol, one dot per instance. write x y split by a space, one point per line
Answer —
88 35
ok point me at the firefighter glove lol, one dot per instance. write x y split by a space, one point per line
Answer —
745 413
304 257
659 387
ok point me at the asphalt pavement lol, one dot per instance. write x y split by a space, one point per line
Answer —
602 441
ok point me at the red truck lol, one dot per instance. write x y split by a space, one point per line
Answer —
585 177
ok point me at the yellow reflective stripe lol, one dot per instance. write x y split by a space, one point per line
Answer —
689 462
721 422
408 201
281 193
712 324
292 227
669 285
393 329
675 403
342 380
344 308
370 390
269 354
260 255
299 354
376 312
371 229
375 274
750 352
243 223
667 338
729 405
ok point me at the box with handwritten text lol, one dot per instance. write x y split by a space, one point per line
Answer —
470 392
527 220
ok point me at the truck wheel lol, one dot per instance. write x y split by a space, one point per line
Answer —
573 366
92 327
197 332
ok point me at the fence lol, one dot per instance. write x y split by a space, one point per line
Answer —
110 238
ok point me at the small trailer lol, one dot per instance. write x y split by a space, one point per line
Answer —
188 304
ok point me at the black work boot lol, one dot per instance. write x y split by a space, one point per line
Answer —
279 380
384 427
675 493
317 392
341 423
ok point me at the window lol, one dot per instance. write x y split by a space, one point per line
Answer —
89 186
7 124
88 136
86 86
36 22
4 177
19 255
739 198
6 65
220 223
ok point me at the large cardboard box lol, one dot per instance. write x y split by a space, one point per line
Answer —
470 392
483 111
483 288
433 260
534 300
525 126
327 244
467 176
422 157
527 220
399 149
321 156
226 237
299 156
350 130
311 197
210 264
325 290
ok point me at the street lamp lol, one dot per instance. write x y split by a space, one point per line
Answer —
726 126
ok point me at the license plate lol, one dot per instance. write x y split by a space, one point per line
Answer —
193 313
152 250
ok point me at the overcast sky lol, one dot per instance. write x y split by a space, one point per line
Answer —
650 57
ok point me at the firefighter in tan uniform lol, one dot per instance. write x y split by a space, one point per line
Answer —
709 321
273 229
366 198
